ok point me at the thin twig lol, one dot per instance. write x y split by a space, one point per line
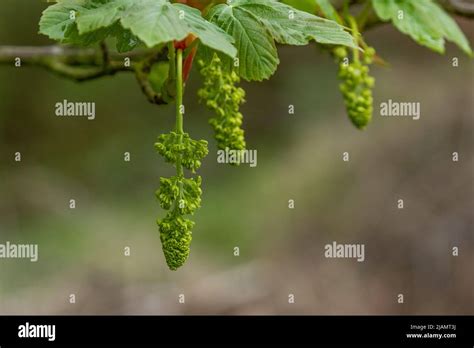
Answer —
84 64
142 71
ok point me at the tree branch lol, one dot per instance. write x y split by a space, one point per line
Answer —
142 71
84 64
31 55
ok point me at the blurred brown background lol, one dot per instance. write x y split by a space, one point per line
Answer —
407 251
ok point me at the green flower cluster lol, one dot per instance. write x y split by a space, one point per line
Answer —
174 146
184 193
176 236
357 85
223 97
179 195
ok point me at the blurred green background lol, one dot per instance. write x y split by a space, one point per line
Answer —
81 251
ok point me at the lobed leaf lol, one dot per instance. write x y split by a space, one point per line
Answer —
209 34
257 24
290 26
57 21
153 22
257 53
424 21
126 40
96 15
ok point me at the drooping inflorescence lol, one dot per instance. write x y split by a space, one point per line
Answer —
221 95
179 195
356 85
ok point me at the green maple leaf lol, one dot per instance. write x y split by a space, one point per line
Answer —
58 21
209 34
152 22
257 24
424 21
